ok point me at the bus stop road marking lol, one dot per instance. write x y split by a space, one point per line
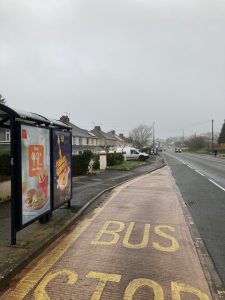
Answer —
120 251
42 267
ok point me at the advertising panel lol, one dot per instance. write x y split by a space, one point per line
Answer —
35 160
62 150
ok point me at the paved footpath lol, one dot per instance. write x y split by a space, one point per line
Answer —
136 245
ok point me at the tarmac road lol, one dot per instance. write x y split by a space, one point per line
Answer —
201 181
136 245
210 166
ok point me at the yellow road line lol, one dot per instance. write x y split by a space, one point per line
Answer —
42 267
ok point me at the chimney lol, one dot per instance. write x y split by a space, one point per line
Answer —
121 135
98 128
65 119
113 131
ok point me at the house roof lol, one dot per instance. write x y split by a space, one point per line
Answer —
77 131
101 134
115 136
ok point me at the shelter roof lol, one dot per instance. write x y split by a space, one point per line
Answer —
7 113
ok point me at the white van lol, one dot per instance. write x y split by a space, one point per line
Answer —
130 153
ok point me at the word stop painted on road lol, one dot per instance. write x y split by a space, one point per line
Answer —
113 229
178 290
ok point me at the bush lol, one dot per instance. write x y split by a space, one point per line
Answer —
96 164
80 163
114 159
87 154
5 168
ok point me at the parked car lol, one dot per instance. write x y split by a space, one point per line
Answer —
130 153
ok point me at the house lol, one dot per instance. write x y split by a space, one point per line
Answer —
82 139
119 139
106 140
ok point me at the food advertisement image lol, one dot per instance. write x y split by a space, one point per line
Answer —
35 152
62 167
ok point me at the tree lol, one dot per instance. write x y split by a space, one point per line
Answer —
2 100
141 135
221 138
196 143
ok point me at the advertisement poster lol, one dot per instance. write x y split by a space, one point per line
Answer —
62 167
35 152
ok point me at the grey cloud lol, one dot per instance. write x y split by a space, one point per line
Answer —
119 63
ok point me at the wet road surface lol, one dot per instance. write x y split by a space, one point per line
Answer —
205 199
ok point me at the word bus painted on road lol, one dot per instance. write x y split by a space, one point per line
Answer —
110 232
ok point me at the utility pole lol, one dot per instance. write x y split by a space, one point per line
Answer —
153 136
212 137
183 139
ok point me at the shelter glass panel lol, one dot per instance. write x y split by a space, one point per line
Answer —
35 159
62 154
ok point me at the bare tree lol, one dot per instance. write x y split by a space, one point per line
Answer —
2 100
196 143
141 135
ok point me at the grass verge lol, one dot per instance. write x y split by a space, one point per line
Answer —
131 164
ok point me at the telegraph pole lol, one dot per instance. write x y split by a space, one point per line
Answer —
153 136
212 137
183 139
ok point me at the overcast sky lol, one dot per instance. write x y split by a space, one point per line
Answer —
116 63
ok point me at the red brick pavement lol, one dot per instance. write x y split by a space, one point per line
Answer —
137 245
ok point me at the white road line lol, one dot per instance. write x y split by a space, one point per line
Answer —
199 173
217 185
189 166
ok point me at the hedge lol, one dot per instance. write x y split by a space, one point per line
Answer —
80 163
5 168
96 164
114 159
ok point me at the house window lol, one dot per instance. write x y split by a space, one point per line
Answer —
89 141
80 141
4 135
74 140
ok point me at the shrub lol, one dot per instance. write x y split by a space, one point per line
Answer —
87 154
80 163
96 164
114 159
5 168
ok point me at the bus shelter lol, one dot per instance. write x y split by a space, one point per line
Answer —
41 155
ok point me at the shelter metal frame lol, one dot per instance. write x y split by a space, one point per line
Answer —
12 119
